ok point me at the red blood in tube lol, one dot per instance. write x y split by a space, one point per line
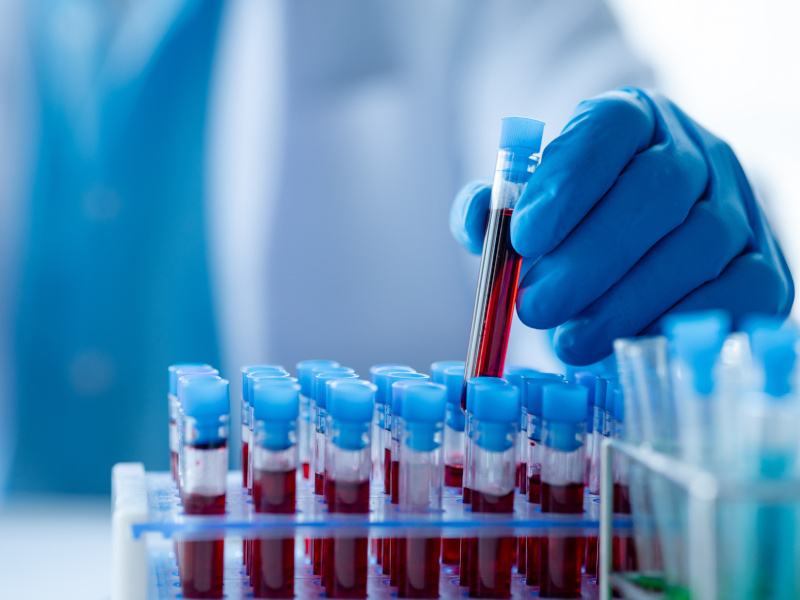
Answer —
492 557
465 560
272 560
306 470
395 560
395 472
592 557
275 491
345 561
453 475
319 483
387 471
562 556
623 555
533 560
503 284
245 454
522 560
418 575
451 551
523 478
202 562
535 488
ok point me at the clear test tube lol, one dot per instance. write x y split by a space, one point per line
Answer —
305 374
514 375
420 485
206 407
623 547
319 409
520 141
275 461
496 421
531 397
247 414
594 416
397 383
381 462
563 460
176 371
351 408
454 450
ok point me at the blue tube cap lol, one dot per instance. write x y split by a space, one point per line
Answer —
175 371
397 384
774 345
618 401
248 369
454 382
321 379
531 391
697 339
305 372
521 134
564 402
206 401
479 382
423 412
351 406
515 373
440 366
496 411
276 405
380 377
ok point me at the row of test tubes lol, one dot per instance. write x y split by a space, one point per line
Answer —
404 434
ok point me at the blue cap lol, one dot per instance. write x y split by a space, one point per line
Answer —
276 404
521 134
380 377
454 382
205 399
774 345
351 406
423 410
697 339
305 372
320 388
496 411
564 415
589 381
476 382
374 370
514 374
531 391
440 366
176 371
259 375
248 369
397 383
618 401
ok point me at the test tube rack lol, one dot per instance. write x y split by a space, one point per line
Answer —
697 498
148 519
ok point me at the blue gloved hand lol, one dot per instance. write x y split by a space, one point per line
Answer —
635 211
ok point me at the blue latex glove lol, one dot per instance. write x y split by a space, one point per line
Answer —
635 211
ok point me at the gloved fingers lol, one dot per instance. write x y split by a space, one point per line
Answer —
689 257
751 284
579 167
469 215
652 196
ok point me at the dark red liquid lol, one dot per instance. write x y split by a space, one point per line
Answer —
623 555
533 560
418 575
522 480
173 465
492 558
272 560
522 563
306 470
535 488
503 279
396 560
316 544
395 472
319 483
592 559
202 562
453 475
562 557
451 551
467 495
245 454
344 563
465 560
387 471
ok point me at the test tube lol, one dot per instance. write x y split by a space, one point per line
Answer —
319 407
247 414
176 371
563 461
381 449
397 383
514 374
275 457
496 421
520 140
205 446
305 375
454 450
531 396
623 548
420 485
348 468
595 428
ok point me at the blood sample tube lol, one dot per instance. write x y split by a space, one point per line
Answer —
520 140
176 371
420 485
381 449
205 465
595 424
623 547
397 383
305 375
454 449
275 457
514 375
563 464
348 465
247 414
319 408
496 420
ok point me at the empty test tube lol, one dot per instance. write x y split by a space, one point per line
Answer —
206 408
563 464
348 466
420 485
275 460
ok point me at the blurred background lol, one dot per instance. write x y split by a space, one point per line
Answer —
252 181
